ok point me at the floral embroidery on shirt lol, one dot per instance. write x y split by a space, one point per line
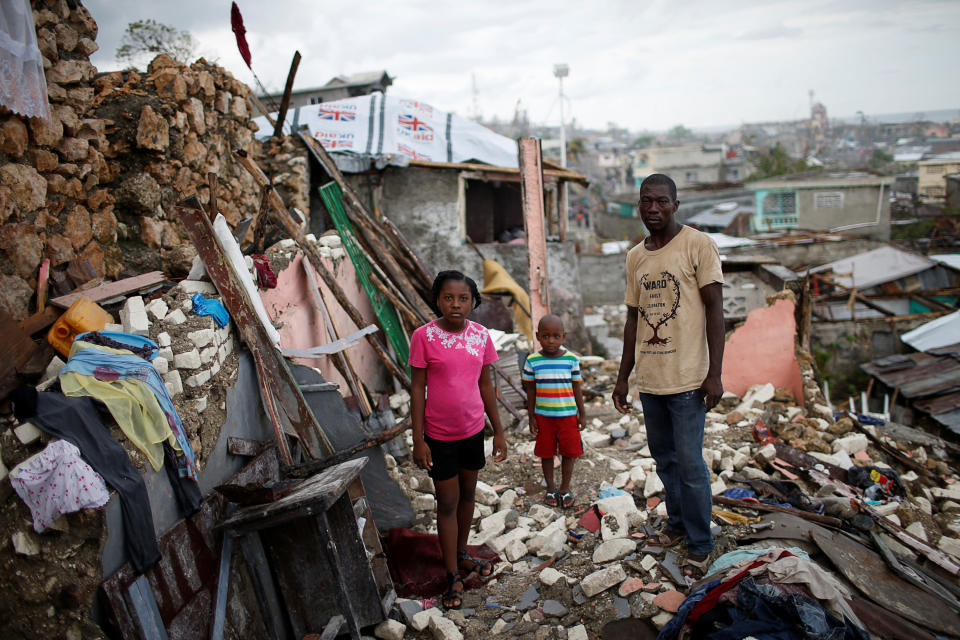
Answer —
473 338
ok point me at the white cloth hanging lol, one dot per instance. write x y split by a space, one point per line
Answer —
23 86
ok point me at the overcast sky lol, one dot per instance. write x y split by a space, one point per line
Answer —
643 65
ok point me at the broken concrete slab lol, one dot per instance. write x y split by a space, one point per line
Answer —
485 494
422 619
444 629
600 581
390 630
613 550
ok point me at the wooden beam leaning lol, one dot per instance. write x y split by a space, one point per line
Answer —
360 216
281 216
305 469
279 379
531 190
287 90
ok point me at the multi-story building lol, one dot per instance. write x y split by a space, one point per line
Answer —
931 186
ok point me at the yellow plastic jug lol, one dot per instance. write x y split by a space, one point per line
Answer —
83 315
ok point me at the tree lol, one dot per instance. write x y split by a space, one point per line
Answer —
151 38
776 162
679 132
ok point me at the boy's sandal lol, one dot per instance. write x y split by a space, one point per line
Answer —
483 567
453 598
695 567
551 499
566 499
667 537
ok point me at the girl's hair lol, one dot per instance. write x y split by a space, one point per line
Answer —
443 276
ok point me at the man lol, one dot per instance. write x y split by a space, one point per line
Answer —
674 334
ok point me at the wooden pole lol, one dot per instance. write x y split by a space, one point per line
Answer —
263 109
212 182
531 183
309 468
287 90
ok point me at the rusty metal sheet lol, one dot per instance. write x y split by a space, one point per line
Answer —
884 624
931 375
868 572
939 404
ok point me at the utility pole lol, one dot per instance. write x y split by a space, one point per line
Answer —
561 71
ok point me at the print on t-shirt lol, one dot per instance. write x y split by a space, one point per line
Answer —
660 300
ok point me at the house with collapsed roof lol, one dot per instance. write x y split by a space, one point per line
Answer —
446 182
854 202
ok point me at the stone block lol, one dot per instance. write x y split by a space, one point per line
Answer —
422 619
27 433
550 576
208 355
652 485
424 502
173 383
199 405
767 452
390 630
187 360
133 316
485 494
600 581
542 514
613 550
500 543
444 629
157 309
615 465
24 544
175 317
162 365
199 378
191 287
717 487
515 550
595 439
201 338
165 352
648 562
507 499
851 444
916 528
554 609
578 632
613 526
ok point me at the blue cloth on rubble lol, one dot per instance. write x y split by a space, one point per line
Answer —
672 629
742 494
105 365
210 307
739 555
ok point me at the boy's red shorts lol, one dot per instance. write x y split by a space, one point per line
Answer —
558 434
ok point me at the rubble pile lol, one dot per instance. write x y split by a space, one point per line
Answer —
566 573
285 159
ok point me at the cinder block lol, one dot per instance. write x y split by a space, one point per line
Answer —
133 315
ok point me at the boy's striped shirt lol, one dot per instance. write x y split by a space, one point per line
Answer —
554 378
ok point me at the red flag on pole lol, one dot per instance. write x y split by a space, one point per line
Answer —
236 21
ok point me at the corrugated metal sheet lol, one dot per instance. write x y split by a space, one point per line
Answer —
930 380
875 267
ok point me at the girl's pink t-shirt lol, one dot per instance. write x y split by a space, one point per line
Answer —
454 408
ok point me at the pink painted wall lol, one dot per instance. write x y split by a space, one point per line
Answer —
292 305
762 351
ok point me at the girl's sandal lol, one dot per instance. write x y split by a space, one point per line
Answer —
566 499
453 598
551 499
483 567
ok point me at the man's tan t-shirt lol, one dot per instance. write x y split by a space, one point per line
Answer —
671 352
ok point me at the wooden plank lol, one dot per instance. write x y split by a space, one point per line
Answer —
329 547
309 468
531 171
111 289
313 255
263 587
332 630
43 279
278 379
244 447
287 90
213 184
141 596
565 174
263 109
758 506
223 587
40 321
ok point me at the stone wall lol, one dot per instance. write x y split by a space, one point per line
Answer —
99 181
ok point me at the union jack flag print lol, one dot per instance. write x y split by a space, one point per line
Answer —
330 113
411 122
336 144
404 149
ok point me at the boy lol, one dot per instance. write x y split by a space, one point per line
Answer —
552 379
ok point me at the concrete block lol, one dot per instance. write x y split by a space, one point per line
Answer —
175 317
767 452
163 339
652 485
390 630
424 502
173 382
542 514
615 465
621 479
500 543
162 365
950 545
27 433
133 316
550 576
595 439
549 541
187 360
578 632
613 526
199 404
482 511
621 506
485 494
600 581
444 629
191 287
165 352
648 562
24 544
661 619
507 499
157 309
717 487
950 492
201 337
50 373
515 550
613 550
214 368
199 378
422 618
498 626
917 530
851 444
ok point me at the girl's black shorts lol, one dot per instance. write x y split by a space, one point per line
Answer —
450 456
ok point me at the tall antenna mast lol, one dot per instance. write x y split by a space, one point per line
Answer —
476 97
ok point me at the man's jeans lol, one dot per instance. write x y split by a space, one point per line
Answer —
675 435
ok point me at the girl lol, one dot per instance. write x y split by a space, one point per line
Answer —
451 358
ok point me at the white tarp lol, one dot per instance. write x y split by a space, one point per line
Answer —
377 125
941 332
869 269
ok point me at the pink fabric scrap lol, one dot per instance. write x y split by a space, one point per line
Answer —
57 481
